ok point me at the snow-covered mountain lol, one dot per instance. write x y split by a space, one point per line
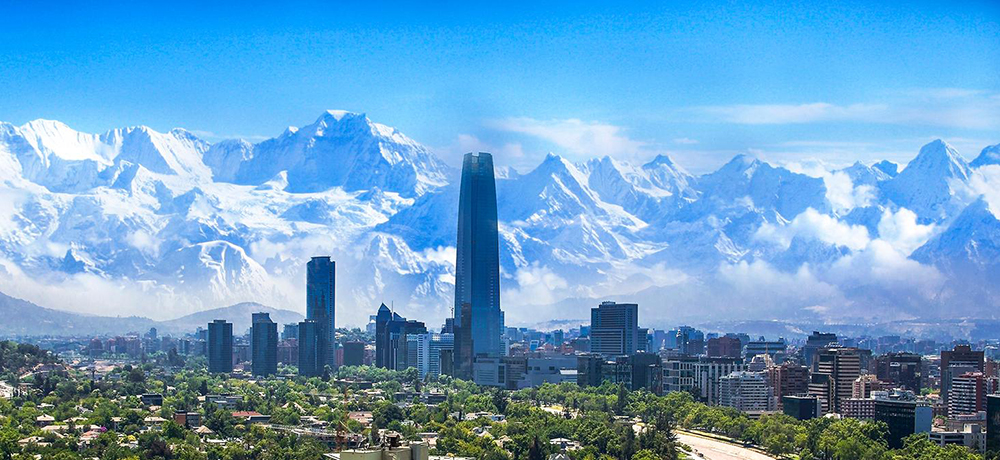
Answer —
134 221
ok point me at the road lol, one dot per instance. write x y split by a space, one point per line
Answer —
711 449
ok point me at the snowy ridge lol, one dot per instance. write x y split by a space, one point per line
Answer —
134 221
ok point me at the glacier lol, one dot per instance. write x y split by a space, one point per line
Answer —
138 222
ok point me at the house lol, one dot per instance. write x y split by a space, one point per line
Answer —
251 416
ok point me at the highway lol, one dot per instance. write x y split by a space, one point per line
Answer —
710 449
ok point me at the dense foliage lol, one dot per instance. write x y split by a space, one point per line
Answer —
609 422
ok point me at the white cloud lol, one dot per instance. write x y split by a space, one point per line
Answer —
536 285
576 136
946 107
843 195
984 183
685 141
469 143
901 230
812 225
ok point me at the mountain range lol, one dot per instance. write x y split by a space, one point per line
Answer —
137 222
24 318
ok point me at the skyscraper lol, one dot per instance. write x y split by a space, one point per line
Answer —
220 347
264 345
477 266
614 329
310 348
320 289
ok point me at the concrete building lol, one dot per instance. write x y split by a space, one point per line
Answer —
747 392
614 329
708 371
903 414
901 370
788 380
724 347
354 353
958 361
972 436
640 371
968 393
815 342
833 381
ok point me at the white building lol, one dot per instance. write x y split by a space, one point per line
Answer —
747 392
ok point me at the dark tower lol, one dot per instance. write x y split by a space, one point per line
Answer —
264 345
220 347
477 268
320 288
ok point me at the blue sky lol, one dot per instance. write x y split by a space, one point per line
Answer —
702 81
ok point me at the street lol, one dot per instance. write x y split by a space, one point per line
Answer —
710 449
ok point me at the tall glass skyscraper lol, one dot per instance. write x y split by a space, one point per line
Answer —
320 288
477 268
220 347
264 345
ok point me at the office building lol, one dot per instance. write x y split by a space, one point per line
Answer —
958 361
801 407
788 379
321 273
972 436
679 373
614 329
640 371
441 352
968 393
354 353
690 341
901 370
477 266
311 348
392 346
815 342
290 331
747 392
903 414
263 345
776 349
836 370
993 423
220 347
708 371
865 384
589 371
724 347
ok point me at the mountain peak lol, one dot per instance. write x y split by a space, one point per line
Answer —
938 158
989 156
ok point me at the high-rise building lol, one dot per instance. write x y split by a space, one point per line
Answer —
690 341
321 273
708 371
724 347
902 413
801 407
354 353
747 392
774 348
614 329
833 382
968 393
640 371
311 348
815 342
392 346
960 360
904 370
263 345
477 266
220 347
993 423
788 379
290 331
